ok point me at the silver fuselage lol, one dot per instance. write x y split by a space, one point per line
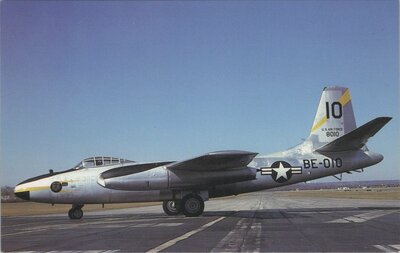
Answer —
158 184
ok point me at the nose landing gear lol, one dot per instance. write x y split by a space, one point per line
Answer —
75 213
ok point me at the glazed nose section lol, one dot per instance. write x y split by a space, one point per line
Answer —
21 192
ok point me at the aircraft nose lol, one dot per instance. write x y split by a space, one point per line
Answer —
21 192
23 195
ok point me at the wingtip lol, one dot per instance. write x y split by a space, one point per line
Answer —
385 119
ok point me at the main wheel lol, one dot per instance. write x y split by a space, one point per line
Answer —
171 207
192 205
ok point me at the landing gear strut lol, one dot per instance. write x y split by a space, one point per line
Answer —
75 213
172 207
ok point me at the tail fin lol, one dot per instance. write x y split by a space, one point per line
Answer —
334 118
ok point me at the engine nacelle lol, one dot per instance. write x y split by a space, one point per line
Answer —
161 178
154 179
185 178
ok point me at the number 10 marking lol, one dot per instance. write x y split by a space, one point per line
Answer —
335 109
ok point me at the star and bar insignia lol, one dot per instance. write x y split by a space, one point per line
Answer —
281 171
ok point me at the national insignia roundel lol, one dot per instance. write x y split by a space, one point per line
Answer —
281 171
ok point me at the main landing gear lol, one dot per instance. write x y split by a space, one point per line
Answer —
75 213
172 207
191 205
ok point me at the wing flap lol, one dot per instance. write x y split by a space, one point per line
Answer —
357 138
214 161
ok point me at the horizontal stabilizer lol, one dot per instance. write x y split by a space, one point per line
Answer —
220 160
357 138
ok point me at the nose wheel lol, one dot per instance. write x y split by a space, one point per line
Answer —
75 213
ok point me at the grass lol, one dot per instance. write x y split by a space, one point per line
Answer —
392 193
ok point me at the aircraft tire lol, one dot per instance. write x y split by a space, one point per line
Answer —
171 207
75 213
192 205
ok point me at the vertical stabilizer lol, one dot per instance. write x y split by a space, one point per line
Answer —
334 118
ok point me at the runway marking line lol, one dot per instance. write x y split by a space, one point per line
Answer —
74 225
24 232
362 217
388 248
183 237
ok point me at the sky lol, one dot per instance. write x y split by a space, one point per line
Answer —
170 80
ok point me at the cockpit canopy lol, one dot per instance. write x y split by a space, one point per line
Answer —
100 161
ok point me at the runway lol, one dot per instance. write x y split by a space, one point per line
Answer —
257 222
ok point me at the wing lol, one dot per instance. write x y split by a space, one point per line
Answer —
357 138
221 167
214 161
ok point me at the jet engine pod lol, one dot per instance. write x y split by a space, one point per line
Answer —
153 179
182 178
56 186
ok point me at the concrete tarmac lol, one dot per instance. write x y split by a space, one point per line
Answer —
256 222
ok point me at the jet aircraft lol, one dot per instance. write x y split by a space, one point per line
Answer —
334 146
